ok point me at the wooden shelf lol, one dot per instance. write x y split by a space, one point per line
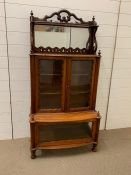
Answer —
80 74
50 93
51 74
62 144
82 92
64 117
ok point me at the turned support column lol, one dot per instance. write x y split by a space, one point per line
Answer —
95 131
32 129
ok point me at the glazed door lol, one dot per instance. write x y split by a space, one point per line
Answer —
64 84
80 83
50 84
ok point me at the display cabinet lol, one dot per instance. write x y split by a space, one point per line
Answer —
64 75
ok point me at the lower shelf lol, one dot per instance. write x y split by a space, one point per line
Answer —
64 130
48 133
64 135
62 144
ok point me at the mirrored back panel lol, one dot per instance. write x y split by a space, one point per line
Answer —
52 36
60 36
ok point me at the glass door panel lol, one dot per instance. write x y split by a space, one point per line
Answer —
50 83
81 81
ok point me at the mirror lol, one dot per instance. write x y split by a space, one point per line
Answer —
60 36
52 36
79 37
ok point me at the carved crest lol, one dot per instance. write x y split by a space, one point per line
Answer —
64 18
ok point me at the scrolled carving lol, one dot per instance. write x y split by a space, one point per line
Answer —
66 18
93 22
91 44
69 50
31 16
99 53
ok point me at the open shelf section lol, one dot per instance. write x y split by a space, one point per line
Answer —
62 144
64 131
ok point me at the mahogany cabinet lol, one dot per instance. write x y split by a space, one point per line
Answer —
63 85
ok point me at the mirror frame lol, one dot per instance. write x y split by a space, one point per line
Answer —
91 45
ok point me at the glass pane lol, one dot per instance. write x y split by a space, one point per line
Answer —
50 101
81 80
52 36
65 131
79 100
50 84
79 37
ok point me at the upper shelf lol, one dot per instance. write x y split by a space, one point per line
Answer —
63 32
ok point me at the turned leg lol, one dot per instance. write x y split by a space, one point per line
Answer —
94 147
33 148
33 155
95 132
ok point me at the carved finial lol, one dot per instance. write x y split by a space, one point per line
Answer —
98 115
93 19
31 16
99 53
31 13
32 120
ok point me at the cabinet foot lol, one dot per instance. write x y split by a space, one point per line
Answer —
94 148
33 155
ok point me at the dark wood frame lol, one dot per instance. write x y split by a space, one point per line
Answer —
87 53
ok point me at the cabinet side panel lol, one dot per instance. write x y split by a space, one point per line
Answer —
33 83
95 82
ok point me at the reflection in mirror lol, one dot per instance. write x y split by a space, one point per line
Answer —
52 36
79 37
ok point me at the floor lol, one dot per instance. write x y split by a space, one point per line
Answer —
112 158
